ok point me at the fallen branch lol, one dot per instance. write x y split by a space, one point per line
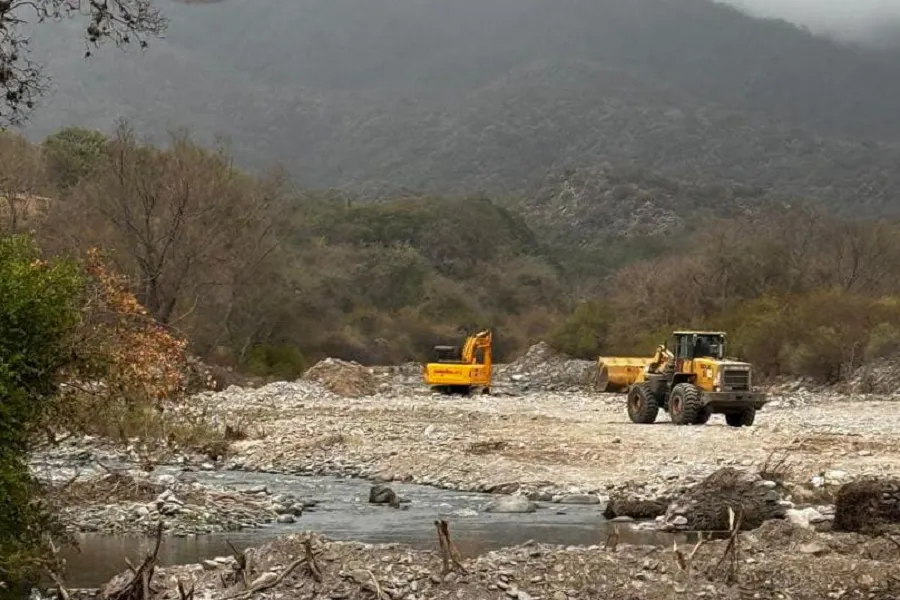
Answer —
449 553
268 584
185 595
139 588
612 539
311 561
731 549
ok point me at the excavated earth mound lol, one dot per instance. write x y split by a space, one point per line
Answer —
343 378
704 507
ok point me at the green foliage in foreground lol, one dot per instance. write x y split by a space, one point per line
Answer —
39 310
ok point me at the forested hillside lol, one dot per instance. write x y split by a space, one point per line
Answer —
491 95
266 277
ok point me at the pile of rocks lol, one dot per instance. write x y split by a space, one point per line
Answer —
184 508
343 378
543 368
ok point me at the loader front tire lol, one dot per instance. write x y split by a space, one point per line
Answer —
744 418
686 406
642 405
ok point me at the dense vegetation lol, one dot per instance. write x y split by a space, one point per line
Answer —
269 278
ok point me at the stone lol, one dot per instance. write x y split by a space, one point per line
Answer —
579 499
797 518
286 519
510 504
382 494
813 548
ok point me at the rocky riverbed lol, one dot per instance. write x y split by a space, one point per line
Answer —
542 447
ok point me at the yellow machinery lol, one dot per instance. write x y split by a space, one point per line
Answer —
460 371
691 382
616 374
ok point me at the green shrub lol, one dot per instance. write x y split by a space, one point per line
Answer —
584 332
39 311
282 361
884 340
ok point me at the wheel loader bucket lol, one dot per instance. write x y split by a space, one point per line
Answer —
617 373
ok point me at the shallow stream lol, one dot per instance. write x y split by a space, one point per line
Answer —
342 512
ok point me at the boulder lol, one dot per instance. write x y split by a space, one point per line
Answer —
382 494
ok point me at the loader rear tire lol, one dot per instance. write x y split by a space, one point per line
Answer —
642 405
741 419
686 406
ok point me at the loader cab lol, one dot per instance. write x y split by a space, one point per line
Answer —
689 345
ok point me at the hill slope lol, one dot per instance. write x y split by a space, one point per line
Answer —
492 94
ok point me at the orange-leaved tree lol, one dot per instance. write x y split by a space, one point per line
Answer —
125 365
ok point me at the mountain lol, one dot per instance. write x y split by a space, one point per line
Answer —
497 95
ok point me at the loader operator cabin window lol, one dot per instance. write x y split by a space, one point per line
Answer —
706 346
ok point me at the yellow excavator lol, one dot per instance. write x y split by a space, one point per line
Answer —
691 382
462 370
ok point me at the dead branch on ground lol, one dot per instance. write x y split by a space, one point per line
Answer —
267 584
612 539
185 595
685 563
311 561
731 549
449 553
139 588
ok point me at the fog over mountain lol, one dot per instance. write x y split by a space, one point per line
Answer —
460 96
860 21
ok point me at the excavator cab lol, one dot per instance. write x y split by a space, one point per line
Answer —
447 354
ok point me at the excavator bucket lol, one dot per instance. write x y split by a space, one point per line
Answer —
617 373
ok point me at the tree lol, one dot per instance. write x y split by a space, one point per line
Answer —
22 80
189 230
40 304
584 333
21 182
73 154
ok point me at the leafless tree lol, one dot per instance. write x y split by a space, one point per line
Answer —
190 230
22 81
22 181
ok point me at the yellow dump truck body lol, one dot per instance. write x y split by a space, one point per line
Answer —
616 373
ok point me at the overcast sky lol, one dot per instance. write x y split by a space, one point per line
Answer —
854 20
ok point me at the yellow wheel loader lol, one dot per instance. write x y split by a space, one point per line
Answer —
693 381
462 370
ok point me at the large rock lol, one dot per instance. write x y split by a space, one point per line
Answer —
510 504
382 494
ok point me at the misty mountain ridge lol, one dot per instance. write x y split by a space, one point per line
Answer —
500 95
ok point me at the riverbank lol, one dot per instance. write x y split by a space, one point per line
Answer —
775 561
562 447
568 449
